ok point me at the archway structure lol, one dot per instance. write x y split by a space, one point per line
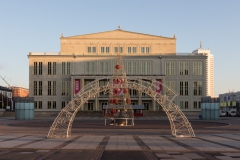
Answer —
180 126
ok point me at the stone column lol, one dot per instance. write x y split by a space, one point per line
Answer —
154 105
82 85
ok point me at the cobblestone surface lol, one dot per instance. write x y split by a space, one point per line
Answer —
150 138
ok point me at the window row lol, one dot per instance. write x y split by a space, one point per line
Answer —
116 50
51 68
50 104
131 68
51 88
90 105
184 68
185 105
184 88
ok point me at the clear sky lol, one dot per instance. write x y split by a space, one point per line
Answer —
35 26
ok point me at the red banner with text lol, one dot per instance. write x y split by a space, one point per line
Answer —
159 86
77 86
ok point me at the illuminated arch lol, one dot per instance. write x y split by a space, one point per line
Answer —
180 126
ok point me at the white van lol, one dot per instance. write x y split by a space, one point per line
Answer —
223 113
232 113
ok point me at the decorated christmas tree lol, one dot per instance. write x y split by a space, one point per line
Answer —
119 106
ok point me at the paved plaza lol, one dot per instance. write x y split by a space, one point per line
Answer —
219 139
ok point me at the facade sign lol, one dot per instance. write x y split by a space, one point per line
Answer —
159 88
77 86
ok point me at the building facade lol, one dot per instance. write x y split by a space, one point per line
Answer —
55 78
19 92
230 100
209 69
5 98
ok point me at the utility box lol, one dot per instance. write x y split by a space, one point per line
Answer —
24 111
210 111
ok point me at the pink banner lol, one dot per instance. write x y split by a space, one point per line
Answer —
159 87
77 86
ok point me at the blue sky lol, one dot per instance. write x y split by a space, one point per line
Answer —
35 26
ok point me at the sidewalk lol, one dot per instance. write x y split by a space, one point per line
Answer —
217 146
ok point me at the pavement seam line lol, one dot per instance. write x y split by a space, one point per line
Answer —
227 137
147 151
55 149
9 150
100 149
221 144
14 138
200 153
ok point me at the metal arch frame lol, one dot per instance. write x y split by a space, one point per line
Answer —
180 126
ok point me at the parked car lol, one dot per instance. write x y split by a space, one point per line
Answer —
223 113
232 113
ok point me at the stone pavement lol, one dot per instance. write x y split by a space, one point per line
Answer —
205 146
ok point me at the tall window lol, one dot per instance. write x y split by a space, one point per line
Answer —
35 68
91 49
65 68
90 106
145 68
49 68
63 104
35 104
131 68
132 92
197 68
40 88
145 49
183 68
170 84
118 50
129 49
104 68
54 88
197 104
94 49
115 49
105 50
39 104
49 88
184 88
184 104
132 50
35 88
40 68
54 104
102 104
197 88
49 104
68 68
170 68
90 67
102 49
54 68
65 88
146 106
103 83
